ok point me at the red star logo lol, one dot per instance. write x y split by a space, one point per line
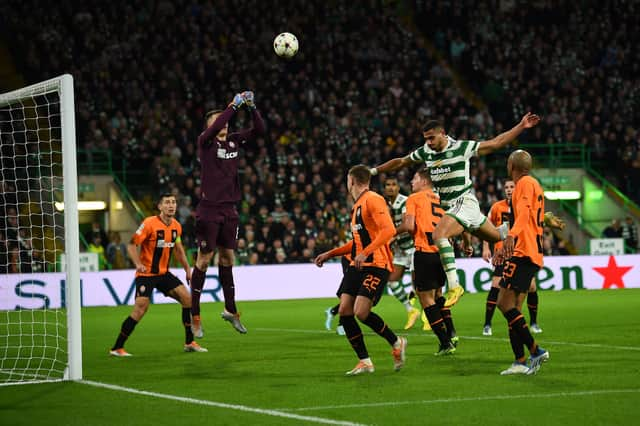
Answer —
613 273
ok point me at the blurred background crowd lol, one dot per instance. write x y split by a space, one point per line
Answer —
367 75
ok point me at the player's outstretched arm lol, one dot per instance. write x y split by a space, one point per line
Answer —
553 221
503 139
217 125
258 127
392 165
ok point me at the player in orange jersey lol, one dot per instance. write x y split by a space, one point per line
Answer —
365 279
157 237
500 213
522 251
421 218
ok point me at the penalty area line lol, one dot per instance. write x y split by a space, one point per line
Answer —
244 408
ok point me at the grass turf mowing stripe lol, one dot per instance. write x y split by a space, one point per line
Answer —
494 339
469 399
244 408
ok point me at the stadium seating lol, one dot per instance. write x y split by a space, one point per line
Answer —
348 97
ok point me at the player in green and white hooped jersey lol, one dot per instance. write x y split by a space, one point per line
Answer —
448 161
402 247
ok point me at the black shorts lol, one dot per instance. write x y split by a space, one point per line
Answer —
217 228
518 273
164 283
345 264
497 270
345 267
368 282
429 273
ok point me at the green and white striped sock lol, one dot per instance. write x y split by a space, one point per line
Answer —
398 291
448 261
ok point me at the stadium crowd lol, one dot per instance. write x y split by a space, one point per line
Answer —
577 66
357 92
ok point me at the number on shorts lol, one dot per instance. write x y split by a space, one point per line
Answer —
371 283
509 269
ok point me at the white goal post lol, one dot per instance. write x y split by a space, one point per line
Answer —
38 169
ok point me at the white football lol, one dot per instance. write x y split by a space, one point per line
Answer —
285 45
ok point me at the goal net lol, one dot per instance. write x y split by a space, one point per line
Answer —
40 335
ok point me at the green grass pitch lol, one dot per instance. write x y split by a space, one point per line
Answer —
288 370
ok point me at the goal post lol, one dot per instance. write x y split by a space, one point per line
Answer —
39 342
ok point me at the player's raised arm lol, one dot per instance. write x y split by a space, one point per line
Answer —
222 119
503 139
258 127
393 165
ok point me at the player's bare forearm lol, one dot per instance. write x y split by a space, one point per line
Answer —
503 139
393 165
132 251
182 257
500 141
408 225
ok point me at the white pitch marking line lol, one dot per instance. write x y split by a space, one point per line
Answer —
237 407
472 399
494 339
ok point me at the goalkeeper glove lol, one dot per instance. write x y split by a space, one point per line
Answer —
237 102
248 100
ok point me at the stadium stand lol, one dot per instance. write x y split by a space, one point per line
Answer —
146 72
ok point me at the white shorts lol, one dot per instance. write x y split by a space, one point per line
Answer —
404 258
466 211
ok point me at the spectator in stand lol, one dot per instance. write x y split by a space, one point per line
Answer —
116 253
630 235
97 230
95 246
330 123
613 230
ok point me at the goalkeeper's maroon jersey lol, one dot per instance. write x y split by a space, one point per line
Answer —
219 162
